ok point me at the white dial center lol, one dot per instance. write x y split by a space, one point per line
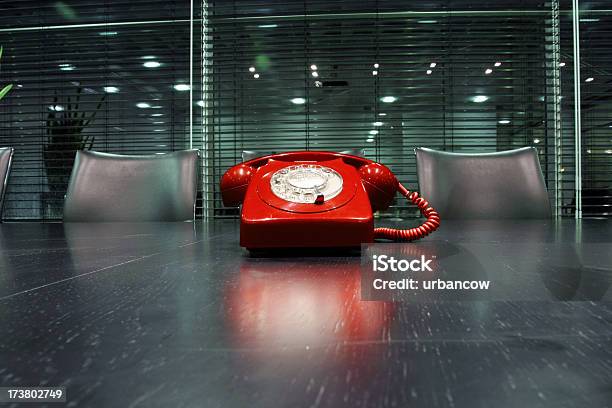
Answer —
303 183
306 178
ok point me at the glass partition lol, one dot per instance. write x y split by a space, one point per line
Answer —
226 76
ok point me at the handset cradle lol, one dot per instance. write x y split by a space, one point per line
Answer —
316 199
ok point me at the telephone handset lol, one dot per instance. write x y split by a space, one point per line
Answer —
316 199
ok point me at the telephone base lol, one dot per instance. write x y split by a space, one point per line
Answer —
319 232
304 252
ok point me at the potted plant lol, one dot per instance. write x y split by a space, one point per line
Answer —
65 127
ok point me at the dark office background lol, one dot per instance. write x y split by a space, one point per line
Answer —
271 76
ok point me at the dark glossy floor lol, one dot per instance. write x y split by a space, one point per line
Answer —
177 315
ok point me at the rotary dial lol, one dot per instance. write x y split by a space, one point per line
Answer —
306 183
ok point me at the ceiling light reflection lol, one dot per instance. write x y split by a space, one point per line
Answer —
151 64
66 67
479 98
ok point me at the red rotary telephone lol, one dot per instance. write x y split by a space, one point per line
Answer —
316 199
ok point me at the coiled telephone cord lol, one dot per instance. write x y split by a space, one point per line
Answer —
430 225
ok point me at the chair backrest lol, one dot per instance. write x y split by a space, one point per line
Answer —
506 184
6 158
111 187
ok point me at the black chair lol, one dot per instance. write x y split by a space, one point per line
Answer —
497 185
6 159
111 187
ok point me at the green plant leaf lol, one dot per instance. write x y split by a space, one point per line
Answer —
78 100
93 116
5 90
93 139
